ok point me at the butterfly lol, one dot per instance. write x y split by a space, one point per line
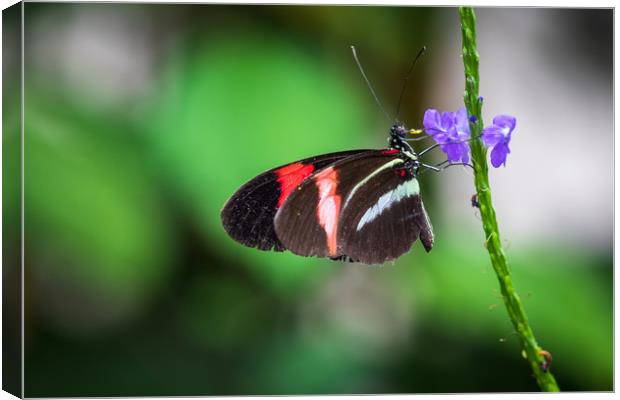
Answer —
359 205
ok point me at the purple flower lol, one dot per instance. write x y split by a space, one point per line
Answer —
451 131
498 137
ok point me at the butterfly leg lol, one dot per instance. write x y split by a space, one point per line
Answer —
441 166
426 150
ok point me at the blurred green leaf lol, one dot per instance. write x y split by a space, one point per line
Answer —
222 314
97 234
294 365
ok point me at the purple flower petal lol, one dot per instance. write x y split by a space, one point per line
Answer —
463 152
441 138
458 136
498 137
453 134
453 151
499 154
492 135
462 123
456 152
447 120
450 131
505 121
432 123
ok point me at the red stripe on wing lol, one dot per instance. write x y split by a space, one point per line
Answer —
328 208
390 151
291 176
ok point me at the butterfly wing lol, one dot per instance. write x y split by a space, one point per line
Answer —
385 216
249 213
321 217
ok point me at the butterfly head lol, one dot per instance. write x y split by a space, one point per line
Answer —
398 133
398 130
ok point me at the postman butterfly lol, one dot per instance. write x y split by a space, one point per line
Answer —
359 205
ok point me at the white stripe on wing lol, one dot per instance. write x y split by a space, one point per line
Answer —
405 189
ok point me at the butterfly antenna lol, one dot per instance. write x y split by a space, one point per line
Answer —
402 91
359 65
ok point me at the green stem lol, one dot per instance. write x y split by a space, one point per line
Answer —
532 351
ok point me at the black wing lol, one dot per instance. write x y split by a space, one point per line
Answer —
387 218
249 213
365 208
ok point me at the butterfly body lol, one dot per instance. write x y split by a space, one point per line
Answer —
358 205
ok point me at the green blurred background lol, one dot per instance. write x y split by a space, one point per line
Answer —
141 120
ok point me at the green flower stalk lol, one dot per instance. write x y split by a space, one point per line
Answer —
535 355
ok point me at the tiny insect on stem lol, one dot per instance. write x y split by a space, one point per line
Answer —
544 366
